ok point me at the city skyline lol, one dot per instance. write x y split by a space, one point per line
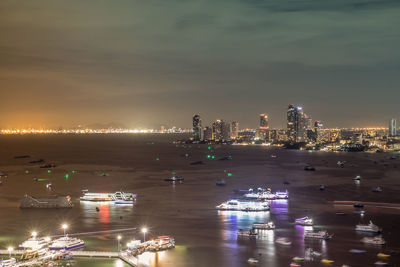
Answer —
101 62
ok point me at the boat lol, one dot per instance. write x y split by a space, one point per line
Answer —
283 241
34 243
341 213
246 232
368 228
282 195
236 205
48 165
66 243
317 235
358 205
220 182
304 221
381 263
260 194
377 189
116 197
312 253
377 240
326 261
294 264
357 178
357 251
252 261
174 179
383 255
361 212
8 263
322 187
298 259
264 226
309 168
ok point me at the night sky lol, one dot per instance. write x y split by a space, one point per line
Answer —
149 63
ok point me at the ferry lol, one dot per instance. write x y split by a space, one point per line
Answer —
118 197
317 235
260 194
264 226
66 243
304 221
236 205
368 228
246 232
377 240
34 243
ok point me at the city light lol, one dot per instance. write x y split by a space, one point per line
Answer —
144 231
64 227
34 234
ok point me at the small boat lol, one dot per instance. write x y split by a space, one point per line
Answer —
220 182
341 213
358 205
381 263
246 232
66 243
174 179
383 255
361 212
48 165
283 241
377 189
377 240
372 228
264 226
49 186
286 183
36 161
322 187
306 221
294 264
22 157
309 168
273 156
326 261
298 259
317 235
357 178
357 251
252 261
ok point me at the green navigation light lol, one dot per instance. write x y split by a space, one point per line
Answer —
209 147
157 158
48 171
208 156
213 157
229 174
66 176
27 172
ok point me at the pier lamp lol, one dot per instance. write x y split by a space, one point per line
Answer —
47 239
119 242
144 231
10 250
64 227
34 234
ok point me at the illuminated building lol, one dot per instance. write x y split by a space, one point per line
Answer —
208 134
297 124
392 127
197 130
234 129
261 132
221 130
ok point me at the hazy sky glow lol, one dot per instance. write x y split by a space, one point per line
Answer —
147 63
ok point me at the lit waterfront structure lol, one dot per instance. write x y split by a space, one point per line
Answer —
392 128
197 130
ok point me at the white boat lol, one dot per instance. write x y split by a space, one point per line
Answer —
260 193
252 261
368 228
264 226
283 241
8 263
306 221
317 235
357 178
376 240
66 243
116 197
237 205
282 195
246 232
34 243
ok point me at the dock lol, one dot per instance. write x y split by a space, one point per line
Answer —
131 260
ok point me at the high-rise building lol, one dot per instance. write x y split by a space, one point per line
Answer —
234 129
392 127
297 124
318 132
208 134
291 123
197 129
221 130
262 130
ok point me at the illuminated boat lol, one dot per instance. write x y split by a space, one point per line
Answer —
283 241
247 232
377 240
117 197
34 243
264 226
9 262
368 228
66 243
317 235
282 195
260 194
304 221
237 205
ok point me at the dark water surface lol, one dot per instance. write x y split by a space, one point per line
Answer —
204 236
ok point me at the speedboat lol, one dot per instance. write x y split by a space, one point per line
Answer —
317 235
66 243
357 178
368 228
34 243
246 232
264 226
252 261
174 179
283 241
304 221
377 240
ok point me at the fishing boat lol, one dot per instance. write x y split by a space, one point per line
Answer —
283 241
372 228
377 240
317 235
246 233
306 221
264 226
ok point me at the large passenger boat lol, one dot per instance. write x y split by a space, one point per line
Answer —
118 197
237 205
368 228
66 243
34 243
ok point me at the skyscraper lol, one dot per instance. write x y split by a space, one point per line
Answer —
264 122
291 123
297 124
197 130
392 127
234 129
221 130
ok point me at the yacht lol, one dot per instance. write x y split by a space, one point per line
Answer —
116 197
234 204
34 243
282 195
377 240
304 221
264 226
246 232
260 194
66 243
368 228
317 235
